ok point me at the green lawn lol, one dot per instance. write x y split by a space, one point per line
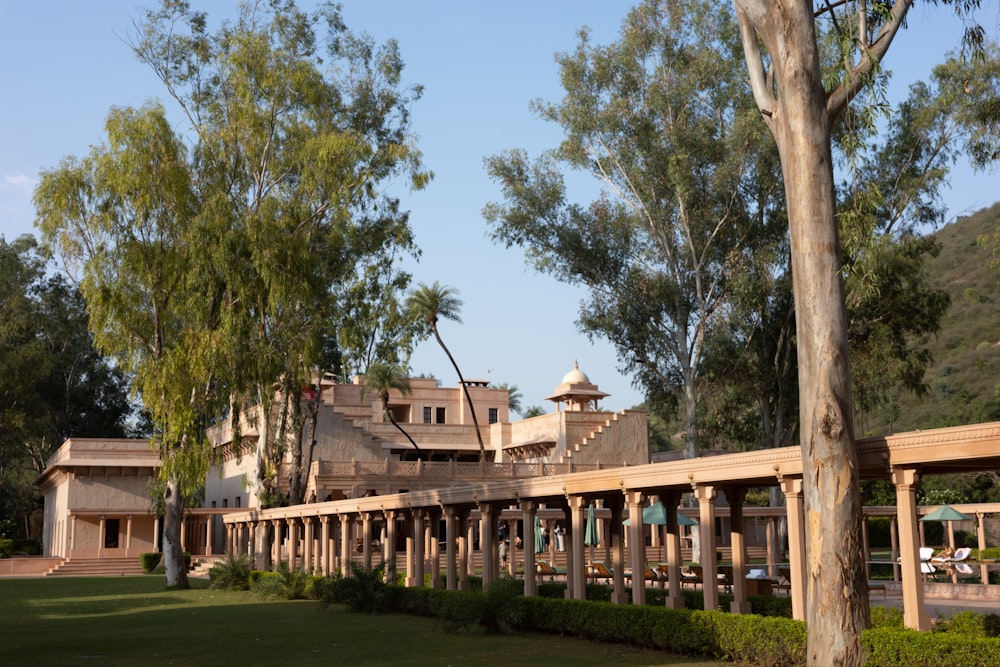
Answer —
135 621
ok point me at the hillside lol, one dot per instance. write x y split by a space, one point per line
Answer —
964 381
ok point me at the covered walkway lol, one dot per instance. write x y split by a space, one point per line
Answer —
331 533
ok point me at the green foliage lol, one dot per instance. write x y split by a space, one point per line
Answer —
6 548
661 120
284 583
886 617
362 591
971 624
503 609
962 378
885 647
149 561
232 574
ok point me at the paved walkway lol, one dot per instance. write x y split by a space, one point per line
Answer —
939 607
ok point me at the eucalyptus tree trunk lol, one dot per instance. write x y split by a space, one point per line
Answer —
173 551
800 117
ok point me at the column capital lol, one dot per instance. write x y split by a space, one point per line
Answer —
704 492
576 502
905 477
791 487
529 506
633 497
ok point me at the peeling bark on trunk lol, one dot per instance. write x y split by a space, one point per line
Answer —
837 590
173 552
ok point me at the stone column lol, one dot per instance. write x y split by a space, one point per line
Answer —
981 543
735 495
616 544
914 616
208 535
792 488
705 494
464 531
156 534
578 519
450 551
366 539
325 557
434 540
772 546
232 539
345 545
894 547
636 546
470 543
293 544
416 554
671 500
389 548
276 543
487 543
128 534
529 509
307 545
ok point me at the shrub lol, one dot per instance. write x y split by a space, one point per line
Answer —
502 611
363 590
885 647
149 561
232 574
6 548
971 624
28 547
886 617
283 583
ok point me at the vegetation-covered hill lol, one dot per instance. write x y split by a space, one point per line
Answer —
964 381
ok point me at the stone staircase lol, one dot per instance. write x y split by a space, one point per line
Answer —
96 567
607 430
200 565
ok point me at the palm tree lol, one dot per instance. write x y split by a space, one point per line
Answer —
435 302
513 396
380 378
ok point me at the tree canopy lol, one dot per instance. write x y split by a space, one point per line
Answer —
212 271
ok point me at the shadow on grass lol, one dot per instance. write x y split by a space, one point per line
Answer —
136 621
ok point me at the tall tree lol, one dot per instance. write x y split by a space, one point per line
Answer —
787 82
382 378
54 384
687 177
293 146
122 218
430 304
213 276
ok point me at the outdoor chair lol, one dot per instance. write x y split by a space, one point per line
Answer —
547 569
600 570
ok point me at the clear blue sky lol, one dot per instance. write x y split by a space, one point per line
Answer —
65 64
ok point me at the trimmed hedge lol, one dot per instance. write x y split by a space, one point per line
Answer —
885 647
10 548
747 639
149 561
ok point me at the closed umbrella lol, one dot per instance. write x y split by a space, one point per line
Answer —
590 537
539 538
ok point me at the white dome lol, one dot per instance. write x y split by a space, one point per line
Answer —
576 376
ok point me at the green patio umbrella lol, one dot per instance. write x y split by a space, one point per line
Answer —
656 515
590 537
946 513
539 538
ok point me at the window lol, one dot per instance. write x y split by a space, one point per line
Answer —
225 502
427 415
440 415
494 415
236 501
